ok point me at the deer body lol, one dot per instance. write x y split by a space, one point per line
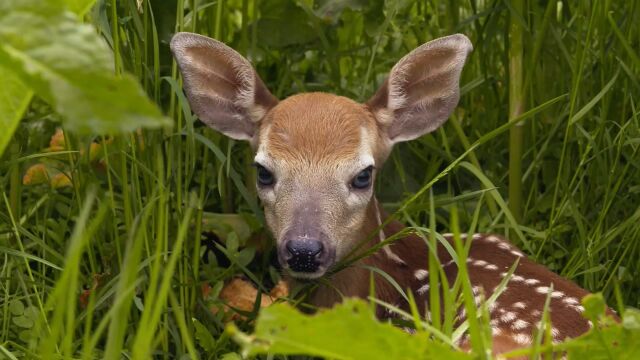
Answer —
317 156
516 313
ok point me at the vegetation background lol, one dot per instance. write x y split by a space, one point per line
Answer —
117 235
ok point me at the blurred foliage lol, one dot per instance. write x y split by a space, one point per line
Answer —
350 331
71 67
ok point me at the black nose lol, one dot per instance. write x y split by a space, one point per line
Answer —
304 255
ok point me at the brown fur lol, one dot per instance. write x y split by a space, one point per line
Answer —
316 127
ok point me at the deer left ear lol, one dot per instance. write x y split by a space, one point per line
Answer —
221 85
422 89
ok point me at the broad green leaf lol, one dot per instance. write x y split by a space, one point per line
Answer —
613 341
631 319
273 32
594 306
204 337
14 98
16 307
66 63
225 224
348 331
22 322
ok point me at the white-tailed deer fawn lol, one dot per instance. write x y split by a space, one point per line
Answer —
317 156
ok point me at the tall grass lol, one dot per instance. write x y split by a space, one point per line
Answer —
112 265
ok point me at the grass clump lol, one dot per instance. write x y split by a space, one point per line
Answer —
110 260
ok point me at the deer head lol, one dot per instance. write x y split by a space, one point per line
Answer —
317 154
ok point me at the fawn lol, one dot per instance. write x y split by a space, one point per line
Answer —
317 156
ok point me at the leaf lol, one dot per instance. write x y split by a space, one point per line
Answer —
16 307
276 33
348 331
224 225
612 341
67 64
36 174
594 306
26 335
32 313
23 322
241 295
60 180
57 142
204 337
244 257
232 243
331 10
631 319
14 98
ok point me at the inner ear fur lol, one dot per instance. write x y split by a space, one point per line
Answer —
422 89
223 89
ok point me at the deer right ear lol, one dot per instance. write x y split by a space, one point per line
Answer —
422 89
223 89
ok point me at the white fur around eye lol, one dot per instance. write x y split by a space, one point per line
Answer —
359 198
267 194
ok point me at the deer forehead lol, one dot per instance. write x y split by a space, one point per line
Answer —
318 130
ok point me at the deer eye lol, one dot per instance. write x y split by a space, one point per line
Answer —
363 179
265 177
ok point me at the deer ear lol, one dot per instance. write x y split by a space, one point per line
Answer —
422 89
223 89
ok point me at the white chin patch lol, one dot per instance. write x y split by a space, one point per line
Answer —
306 275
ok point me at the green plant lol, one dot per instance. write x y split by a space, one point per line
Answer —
112 264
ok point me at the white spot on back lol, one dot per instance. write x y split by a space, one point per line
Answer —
514 277
543 289
570 301
519 324
519 305
522 339
532 281
421 274
423 289
578 308
450 235
448 263
493 306
508 316
462 314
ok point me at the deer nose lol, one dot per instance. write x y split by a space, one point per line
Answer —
304 254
